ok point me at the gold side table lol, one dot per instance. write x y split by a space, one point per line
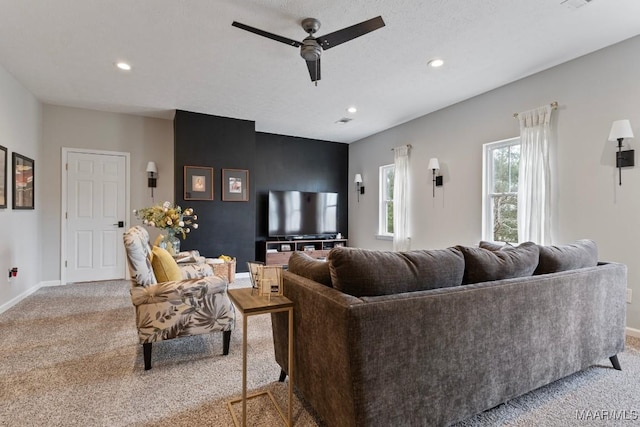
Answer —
247 301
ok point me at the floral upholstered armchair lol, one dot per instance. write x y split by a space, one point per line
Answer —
174 308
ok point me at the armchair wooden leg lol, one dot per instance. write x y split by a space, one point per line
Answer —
146 350
615 362
226 339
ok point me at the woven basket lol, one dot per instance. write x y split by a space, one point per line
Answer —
226 270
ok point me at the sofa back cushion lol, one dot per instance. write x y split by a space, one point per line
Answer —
484 265
492 246
580 254
363 272
310 268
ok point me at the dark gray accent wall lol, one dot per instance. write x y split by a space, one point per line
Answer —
301 164
221 143
274 162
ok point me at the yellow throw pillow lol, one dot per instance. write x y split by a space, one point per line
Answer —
158 240
164 266
155 243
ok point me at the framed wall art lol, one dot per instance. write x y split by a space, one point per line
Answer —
23 182
3 177
235 185
198 183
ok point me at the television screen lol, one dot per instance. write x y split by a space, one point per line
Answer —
297 213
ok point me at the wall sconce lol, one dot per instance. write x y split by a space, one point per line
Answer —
152 174
621 129
359 186
437 180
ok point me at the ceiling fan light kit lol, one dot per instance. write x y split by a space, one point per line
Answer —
311 47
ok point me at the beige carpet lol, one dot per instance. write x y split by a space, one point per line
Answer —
69 356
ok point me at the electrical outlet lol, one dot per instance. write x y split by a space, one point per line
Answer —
628 295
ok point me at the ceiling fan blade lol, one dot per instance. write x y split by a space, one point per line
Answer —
344 35
266 34
314 69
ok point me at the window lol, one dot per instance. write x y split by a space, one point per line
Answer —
385 227
500 191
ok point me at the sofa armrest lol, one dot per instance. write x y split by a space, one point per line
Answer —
177 290
195 270
322 319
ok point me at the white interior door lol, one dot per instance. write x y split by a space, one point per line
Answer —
96 216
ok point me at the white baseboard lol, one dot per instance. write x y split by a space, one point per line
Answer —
7 305
633 332
51 283
244 275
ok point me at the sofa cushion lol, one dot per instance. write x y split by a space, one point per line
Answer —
492 246
580 254
311 268
483 265
164 266
363 272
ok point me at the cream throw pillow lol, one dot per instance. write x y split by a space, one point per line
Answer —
164 266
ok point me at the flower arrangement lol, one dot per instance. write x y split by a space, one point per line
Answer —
169 217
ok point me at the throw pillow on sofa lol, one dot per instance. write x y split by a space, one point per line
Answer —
310 268
363 272
580 254
484 265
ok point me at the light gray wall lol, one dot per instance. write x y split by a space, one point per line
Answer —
592 91
20 127
30 239
146 139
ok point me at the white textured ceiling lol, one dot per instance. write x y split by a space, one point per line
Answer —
186 55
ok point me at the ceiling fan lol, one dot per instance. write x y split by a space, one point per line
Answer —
311 47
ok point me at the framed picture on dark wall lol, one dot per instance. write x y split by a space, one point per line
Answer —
198 183
3 177
235 185
23 182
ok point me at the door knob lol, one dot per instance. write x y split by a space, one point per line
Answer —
120 224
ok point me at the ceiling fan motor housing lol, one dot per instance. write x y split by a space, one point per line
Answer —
310 25
310 50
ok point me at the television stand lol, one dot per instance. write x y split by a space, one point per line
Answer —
277 252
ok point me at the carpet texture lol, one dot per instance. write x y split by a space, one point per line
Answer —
69 356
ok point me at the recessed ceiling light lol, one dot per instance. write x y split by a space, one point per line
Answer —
123 66
435 63
352 110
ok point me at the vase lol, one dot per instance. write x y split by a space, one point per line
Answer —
171 243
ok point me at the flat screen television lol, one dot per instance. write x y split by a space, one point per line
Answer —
302 214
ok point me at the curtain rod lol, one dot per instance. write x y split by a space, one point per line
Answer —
408 145
554 106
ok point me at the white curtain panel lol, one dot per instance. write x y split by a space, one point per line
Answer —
401 239
534 181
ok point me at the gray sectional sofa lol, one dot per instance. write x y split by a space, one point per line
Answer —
429 338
